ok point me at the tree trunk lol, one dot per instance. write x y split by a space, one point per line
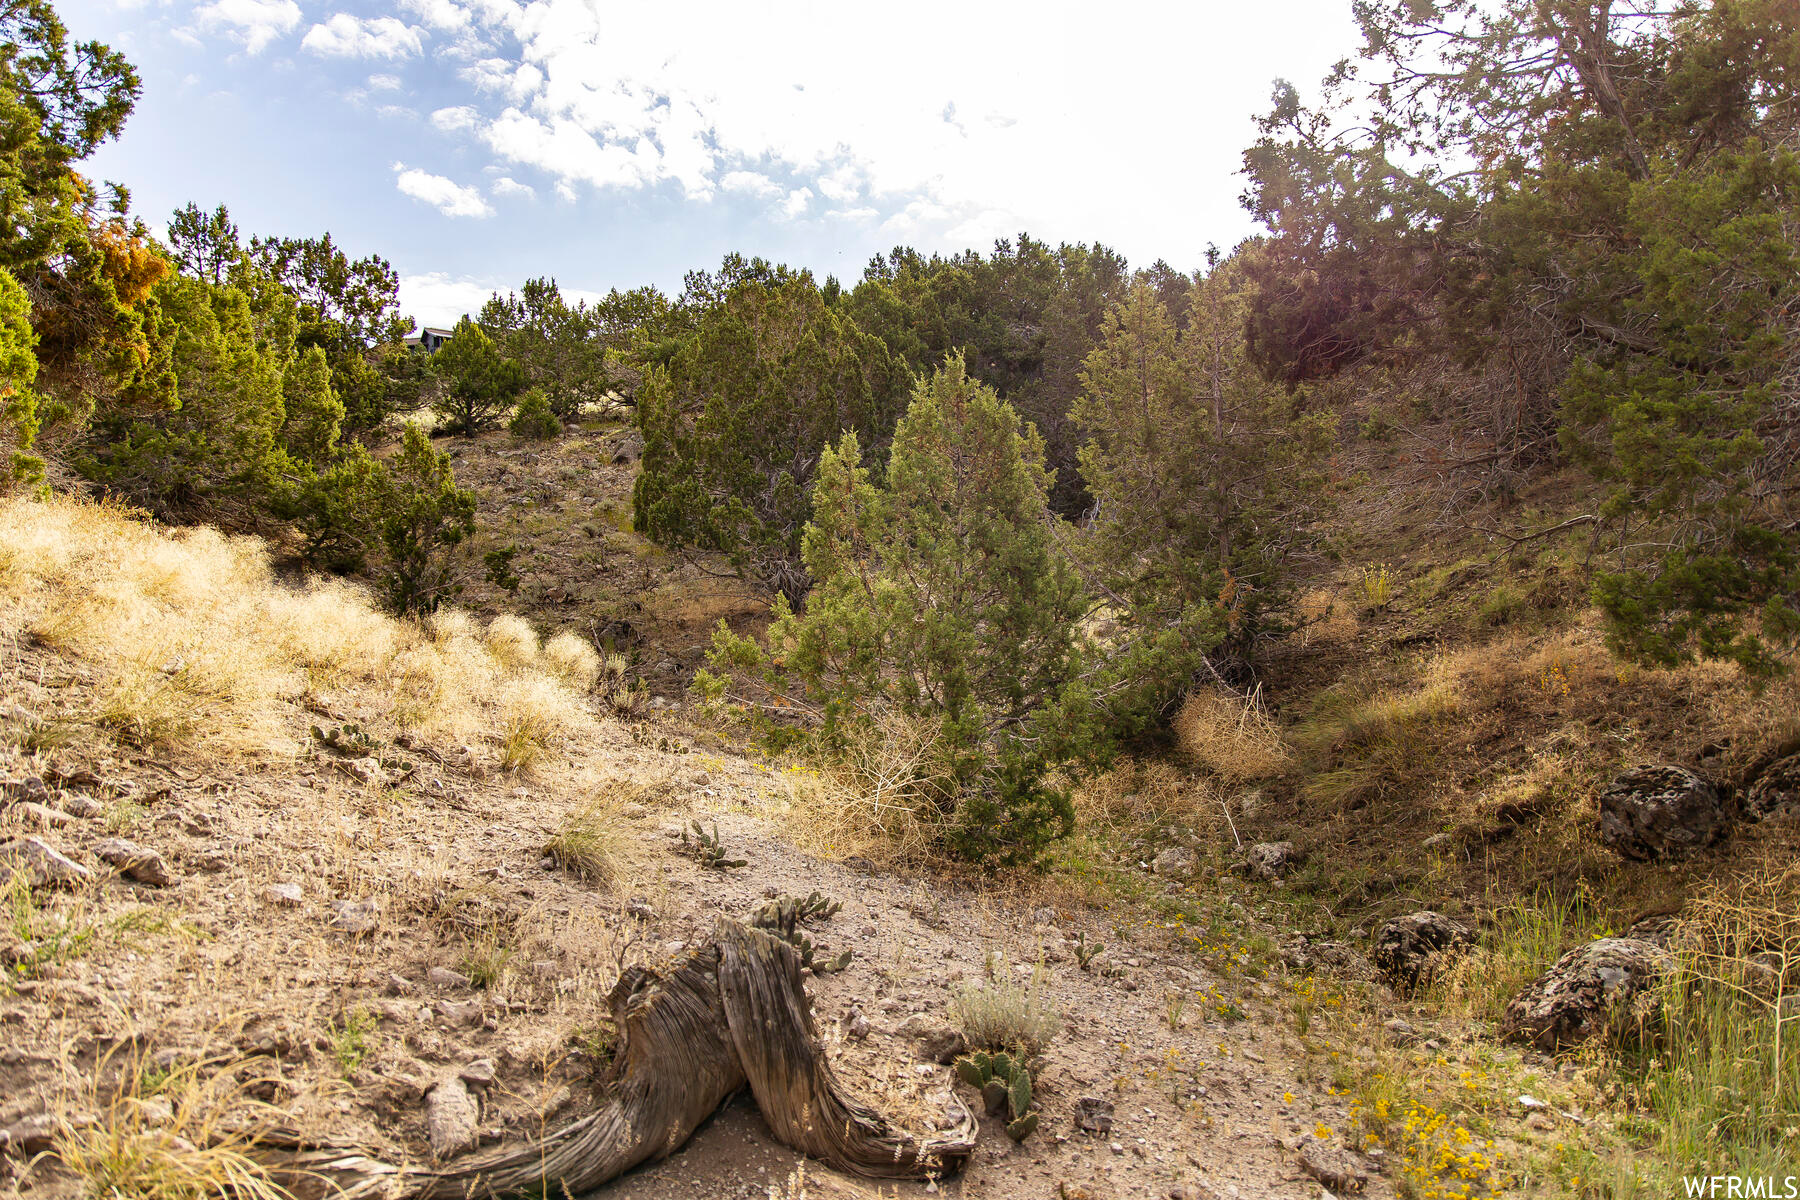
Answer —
732 1012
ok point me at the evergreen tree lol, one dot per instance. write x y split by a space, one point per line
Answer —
1204 472
479 382
735 421
939 595
425 519
18 372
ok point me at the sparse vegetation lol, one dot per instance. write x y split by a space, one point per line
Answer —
1005 1013
586 842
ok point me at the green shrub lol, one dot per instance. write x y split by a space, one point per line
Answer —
534 418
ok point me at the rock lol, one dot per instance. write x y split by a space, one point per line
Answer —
1336 1169
1094 1114
135 862
856 1026
1434 841
42 815
1269 861
400 985
85 807
452 1119
1401 1032
942 1045
42 863
639 910
31 788
479 1073
1177 862
32 1135
354 917
628 449
915 1026
445 977
1660 811
1606 986
466 1013
1775 795
1409 949
288 895
1302 953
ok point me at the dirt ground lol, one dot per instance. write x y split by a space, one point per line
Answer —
295 940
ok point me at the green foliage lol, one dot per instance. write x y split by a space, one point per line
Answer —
424 519
534 418
216 453
1595 226
497 567
1205 473
18 372
350 740
783 917
479 382
1004 1082
939 596
735 417
1086 952
562 348
313 415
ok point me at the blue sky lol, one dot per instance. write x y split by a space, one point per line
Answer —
476 143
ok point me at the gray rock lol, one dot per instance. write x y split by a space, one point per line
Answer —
452 1119
1336 1169
1409 949
1301 953
1177 862
1402 1033
42 815
1775 794
41 863
1269 861
288 895
85 807
856 1026
466 1013
135 862
1094 1114
941 1045
478 1073
445 977
31 787
32 1135
1661 811
355 917
1606 986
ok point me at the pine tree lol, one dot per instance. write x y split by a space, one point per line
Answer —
480 382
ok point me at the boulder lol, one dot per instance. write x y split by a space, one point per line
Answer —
1775 794
287 895
1661 811
1409 949
1269 861
1177 862
942 1045
1606 986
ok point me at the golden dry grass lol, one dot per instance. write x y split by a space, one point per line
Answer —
193 641
1231 736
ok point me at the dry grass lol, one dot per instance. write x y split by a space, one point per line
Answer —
879 799
587 842
179 1133
1005 1013
194 642
1230 735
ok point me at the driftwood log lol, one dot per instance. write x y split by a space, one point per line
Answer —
730 1013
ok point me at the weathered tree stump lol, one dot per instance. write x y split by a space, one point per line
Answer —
732 1012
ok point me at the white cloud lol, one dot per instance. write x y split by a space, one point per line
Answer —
345 36
796 201
450 198
439 298
255 23
455 120
439 14
384 83
751 183
606 96
506 185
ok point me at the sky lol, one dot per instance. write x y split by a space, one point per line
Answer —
477 143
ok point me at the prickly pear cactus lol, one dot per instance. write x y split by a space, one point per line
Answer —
1005 1085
